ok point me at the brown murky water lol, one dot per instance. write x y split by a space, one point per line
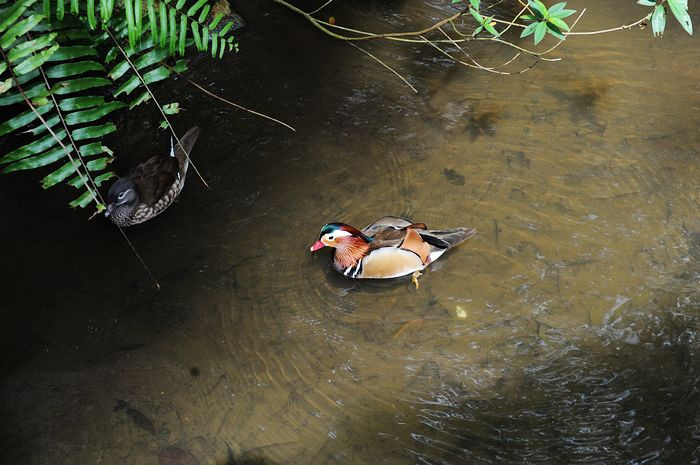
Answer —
565 332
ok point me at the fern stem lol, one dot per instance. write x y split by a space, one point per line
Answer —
227 101
160 108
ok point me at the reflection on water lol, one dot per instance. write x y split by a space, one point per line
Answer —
565 332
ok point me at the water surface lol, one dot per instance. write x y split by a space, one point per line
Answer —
564 332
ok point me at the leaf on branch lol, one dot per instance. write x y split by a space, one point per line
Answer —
540 31
555 31
529 30
679 8
171 108
658 21
558 23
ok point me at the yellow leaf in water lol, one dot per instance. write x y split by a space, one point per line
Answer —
461 313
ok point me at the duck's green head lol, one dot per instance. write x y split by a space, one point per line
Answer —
335 234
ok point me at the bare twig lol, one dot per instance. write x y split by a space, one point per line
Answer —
136 71
490 70
386 66
211 94
387 35
619 28
321 7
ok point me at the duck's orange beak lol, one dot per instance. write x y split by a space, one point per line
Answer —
317 245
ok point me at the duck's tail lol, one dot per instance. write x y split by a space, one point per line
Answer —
186 142
446 238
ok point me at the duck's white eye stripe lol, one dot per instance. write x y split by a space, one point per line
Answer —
337 233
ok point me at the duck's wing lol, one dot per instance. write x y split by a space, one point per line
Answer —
392 222
154 177
392 253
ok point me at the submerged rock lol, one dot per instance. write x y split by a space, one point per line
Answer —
173 455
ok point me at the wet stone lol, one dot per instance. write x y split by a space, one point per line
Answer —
453 177
174 455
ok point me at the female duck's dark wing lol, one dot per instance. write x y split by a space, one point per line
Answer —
154 177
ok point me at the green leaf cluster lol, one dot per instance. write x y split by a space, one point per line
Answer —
65 64
679 8
546 20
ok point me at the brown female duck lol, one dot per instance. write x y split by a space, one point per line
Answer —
149 188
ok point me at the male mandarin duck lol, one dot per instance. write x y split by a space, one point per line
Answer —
149 188
388 248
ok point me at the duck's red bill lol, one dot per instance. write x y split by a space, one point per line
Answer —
317 245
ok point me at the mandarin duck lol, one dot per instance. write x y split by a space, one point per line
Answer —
388 248
149 188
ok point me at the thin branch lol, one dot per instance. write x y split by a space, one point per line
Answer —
476 63
385 65
388 35
490 70
619 28
227 101
116 42
321 7
66 150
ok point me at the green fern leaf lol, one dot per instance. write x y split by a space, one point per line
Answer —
88 116
9 16
80 103
92 132
33 148
79 84
71 69
23 119
19 29
38 161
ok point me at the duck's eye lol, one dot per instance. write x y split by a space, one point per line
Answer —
330 238
121 195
